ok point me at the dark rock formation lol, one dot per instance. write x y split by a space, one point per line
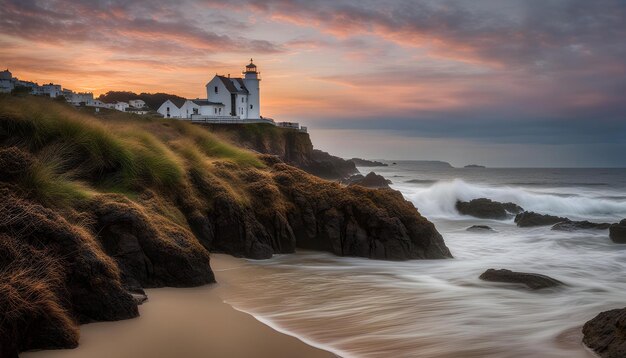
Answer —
150 251
529 218
532 280
355 221
487 209
617 232
367 163
606 334
579 225
292 209
371 180
482 228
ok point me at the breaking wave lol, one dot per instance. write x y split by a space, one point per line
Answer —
438 200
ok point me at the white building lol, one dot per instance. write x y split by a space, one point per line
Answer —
82 97
121 106
137 103
51 90
228 98
171 109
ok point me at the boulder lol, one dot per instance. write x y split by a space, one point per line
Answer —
579 225
531 280
617 232
529 219
606 334
372 180
487 209
480 228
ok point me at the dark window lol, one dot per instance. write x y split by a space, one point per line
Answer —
241 99
250 106
215 110
168 109
215 89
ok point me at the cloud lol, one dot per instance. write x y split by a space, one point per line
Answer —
156 27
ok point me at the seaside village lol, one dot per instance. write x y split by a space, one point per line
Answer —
229 100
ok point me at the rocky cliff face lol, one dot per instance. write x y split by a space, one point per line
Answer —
292 146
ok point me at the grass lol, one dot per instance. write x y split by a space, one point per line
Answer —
78 154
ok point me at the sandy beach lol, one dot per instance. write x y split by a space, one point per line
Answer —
186 322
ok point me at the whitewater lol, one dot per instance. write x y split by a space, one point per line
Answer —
439 308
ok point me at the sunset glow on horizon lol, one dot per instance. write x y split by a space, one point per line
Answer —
539 75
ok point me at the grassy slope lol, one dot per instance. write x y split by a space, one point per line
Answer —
80 155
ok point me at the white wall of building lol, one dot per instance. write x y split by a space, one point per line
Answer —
221 95
121 106
169 110
51 90
78 98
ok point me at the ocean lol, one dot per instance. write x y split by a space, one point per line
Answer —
357 307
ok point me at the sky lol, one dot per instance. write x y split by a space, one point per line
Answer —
512 83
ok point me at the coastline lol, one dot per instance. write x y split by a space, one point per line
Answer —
186 322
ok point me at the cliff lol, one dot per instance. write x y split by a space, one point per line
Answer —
96 208
292 146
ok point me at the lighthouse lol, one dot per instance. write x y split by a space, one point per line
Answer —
251 80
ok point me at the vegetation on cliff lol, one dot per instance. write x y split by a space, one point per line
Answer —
96 207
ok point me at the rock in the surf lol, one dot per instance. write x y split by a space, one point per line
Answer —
481 228
372 180
533 281
605 334
530 218
579 225
487 209
617 232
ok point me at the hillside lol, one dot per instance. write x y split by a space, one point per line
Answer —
98 207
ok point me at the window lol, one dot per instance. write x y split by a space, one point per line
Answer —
241 111
215 89
220 111
168 109
241 99
250 106
215 110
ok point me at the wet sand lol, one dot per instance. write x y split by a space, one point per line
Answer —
186 322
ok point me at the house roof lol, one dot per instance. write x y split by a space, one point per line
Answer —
230 86
203 102
177 102
242 85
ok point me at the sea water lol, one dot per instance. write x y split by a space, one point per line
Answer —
357 307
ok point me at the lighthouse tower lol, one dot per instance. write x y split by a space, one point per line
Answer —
251 80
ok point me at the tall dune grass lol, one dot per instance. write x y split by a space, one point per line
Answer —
79 154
